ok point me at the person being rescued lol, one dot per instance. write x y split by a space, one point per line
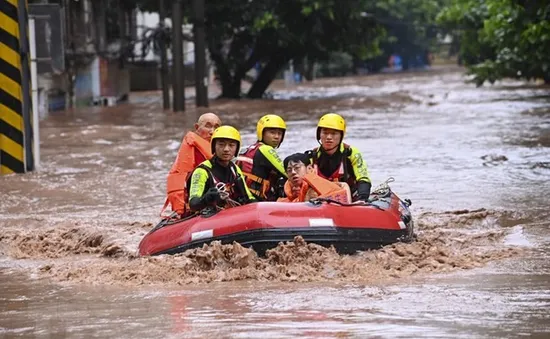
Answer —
260 163
303 184
219 172
337 161
194 149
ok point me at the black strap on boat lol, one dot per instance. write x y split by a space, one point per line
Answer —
319 201
171 220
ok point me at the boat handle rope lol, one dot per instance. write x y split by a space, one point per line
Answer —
383 188
224 195
318 201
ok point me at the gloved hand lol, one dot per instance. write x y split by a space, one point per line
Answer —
245 200
363 198
363 191
279 189
211 196
309 153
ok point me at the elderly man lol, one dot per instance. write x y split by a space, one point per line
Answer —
303 184
194 149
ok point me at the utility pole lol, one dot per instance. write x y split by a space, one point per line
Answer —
101 18
16 134
201 79
177 57
22 15
163 60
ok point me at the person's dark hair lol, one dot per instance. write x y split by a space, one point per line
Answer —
296 157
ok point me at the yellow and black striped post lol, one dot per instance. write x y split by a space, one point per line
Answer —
15 118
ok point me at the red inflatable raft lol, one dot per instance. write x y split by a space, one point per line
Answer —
349 228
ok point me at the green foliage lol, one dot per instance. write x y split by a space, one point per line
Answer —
338 64
502 38
241 33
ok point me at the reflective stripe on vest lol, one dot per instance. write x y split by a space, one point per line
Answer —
257 186
246 160
340 175
334 176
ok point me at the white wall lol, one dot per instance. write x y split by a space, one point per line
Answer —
148 19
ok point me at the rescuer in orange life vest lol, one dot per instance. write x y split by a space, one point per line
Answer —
194 149
303 184
220 170
260 163
337 161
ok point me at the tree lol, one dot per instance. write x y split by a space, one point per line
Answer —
241 34
312 29
244 33
274 32
501 38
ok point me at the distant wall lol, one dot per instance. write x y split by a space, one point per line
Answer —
145 76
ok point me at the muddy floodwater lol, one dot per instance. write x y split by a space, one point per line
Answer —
474 161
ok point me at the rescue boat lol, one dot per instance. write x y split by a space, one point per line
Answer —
384 220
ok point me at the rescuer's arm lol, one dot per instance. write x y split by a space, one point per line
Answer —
361 174
198 199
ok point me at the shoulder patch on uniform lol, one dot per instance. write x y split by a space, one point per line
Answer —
359 158
274 153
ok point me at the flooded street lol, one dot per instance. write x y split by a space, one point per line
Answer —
474 161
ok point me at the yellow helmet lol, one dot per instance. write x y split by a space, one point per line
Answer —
270 121
226 132
333 121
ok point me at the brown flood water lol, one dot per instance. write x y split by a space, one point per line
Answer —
474 161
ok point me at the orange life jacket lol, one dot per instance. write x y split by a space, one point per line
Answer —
323 187
185 163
